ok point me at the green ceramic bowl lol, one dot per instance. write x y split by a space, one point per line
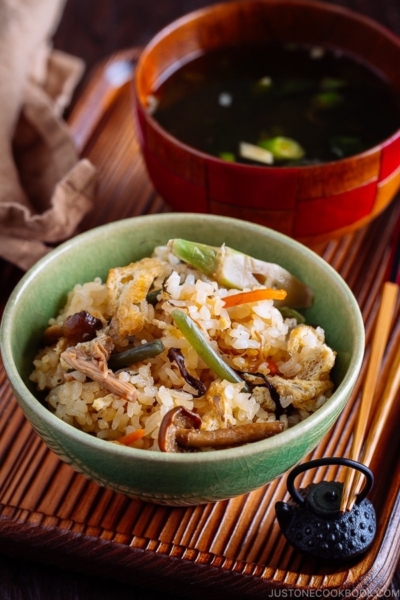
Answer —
176 478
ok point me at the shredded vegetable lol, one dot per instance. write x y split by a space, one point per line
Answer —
272 366
254 296
132 437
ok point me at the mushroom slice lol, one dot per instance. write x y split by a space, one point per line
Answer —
251 378
175 355
77 328
176 418
226 438
180 431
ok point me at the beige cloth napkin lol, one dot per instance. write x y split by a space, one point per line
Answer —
45 189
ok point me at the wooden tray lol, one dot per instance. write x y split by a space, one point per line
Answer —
235 547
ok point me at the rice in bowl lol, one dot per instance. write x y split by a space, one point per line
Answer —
290 362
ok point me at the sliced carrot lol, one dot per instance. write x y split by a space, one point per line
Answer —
272 366
254 296
128 439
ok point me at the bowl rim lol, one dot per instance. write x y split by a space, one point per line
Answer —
209 158
213 456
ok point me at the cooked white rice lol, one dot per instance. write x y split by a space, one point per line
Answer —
251 337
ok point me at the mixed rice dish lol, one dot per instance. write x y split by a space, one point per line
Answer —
195 348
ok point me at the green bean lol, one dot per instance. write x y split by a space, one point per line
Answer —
295 87
200 256
290 313
135 355
197 340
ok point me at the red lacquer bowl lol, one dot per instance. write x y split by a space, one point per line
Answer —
309 203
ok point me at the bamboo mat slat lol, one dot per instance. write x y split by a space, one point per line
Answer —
235 547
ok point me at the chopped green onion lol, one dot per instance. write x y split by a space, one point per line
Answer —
252 152
228 156
331 83
265 82
135 355
261 86
282 148
196 339
327 100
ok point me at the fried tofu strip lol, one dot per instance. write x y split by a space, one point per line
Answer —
303 393
127 287
314 356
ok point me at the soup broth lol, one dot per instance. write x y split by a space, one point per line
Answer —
275 104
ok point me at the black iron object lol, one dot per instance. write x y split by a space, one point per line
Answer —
312 521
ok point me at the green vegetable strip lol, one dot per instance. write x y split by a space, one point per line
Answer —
135 355
200 256
196 339
290 313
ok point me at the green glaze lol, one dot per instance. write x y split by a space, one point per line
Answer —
177 478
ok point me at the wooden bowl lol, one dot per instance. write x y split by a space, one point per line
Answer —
309 203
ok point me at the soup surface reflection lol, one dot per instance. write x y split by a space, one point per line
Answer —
277 105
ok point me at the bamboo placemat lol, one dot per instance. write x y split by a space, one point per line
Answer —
234 547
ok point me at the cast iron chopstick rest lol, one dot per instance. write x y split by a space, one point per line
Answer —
312 521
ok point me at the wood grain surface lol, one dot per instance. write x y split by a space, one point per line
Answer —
49 514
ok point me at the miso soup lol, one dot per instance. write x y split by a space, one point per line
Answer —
277 105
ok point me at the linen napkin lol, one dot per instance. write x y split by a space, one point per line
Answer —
45 189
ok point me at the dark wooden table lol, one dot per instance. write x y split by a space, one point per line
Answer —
93 29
